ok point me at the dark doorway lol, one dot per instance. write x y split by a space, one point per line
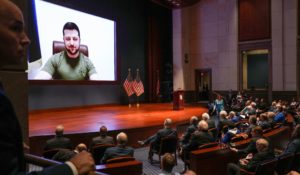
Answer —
203 85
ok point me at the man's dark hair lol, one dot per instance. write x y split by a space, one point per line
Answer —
103 131
71 26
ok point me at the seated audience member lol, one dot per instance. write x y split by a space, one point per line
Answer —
59 141
120 150
271 116
232 131
155 139
273 106
211 123
233 117
252 161
167 164
190 130
252 124
263 121
13 46
103 138
66 154
279 116
256 133
224 121
294 144
200 137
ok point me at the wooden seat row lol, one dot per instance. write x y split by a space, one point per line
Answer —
214 160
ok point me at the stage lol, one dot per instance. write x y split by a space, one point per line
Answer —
82 123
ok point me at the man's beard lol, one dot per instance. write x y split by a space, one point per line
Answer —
69 51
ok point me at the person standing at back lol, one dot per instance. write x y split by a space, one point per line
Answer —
13 45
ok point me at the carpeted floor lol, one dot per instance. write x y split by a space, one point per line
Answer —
141 154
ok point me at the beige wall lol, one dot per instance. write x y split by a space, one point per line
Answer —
209 35
284 44
208 32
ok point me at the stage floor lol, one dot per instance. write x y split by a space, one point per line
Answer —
82 123
115 117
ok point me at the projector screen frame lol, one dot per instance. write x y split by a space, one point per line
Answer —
79 82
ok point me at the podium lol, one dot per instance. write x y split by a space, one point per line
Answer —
178 100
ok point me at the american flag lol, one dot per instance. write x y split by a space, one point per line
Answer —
128 85
137 84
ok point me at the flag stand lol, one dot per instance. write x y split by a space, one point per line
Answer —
129 104
137 103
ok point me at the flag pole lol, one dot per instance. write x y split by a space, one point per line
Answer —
137 97
129 104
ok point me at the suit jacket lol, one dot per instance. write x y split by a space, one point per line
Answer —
187 135
257 159
11 144
211 124
155 139
58 142
198 138
101 140
293 146
117 151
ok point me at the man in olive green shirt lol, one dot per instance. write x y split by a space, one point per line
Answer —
69 64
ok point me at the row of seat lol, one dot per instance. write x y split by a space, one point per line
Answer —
282 165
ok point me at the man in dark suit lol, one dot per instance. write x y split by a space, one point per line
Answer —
59 141
120 150
12 51
190 130
251 162
102 139
294 144
200 137
155 140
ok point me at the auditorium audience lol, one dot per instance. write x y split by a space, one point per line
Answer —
103 138
59 141
250 162
65 154
120 150
13 45
190 130
155 139
167 164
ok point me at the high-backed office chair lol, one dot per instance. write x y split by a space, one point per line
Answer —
59 46
98 150
167 145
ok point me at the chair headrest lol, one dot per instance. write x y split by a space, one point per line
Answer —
59 46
